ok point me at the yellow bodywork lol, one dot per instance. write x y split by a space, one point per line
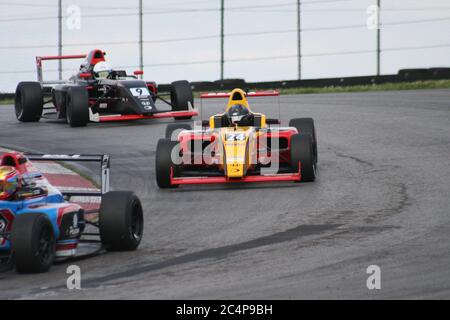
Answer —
236 157
239 143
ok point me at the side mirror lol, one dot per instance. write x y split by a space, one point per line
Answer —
205 123
85 75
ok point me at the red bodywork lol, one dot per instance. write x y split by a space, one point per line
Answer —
219 95
194 160
169 114
198 161
215 180
18 161
91 59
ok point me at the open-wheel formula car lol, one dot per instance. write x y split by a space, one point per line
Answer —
40 225
97 93
238 145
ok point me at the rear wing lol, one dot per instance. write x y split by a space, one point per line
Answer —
103 160
219 95
39 60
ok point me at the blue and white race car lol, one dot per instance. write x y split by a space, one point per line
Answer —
39 224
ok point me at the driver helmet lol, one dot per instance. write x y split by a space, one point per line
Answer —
102 70
9 182
237 112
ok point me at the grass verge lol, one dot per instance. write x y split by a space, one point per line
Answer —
6 101
418 85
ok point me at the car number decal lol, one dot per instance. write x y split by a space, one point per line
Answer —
235 137
139 92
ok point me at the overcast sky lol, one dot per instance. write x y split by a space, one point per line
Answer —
29 28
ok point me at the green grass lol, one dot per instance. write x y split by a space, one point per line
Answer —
6 101
419 85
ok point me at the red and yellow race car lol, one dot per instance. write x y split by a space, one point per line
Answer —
238 145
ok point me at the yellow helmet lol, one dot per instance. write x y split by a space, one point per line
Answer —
9 182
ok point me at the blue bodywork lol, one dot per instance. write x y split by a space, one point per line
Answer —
48 205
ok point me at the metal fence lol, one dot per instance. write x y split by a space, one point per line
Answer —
142 11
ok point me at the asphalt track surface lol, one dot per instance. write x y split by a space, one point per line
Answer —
381 198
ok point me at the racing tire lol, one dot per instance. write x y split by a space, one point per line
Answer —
164 163
29 102
181 97
77 105
306 125
33 243
121 221
172 127
302 151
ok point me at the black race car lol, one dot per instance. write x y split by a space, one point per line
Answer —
99 96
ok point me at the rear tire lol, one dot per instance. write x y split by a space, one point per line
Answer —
181 97
302 151
164 162
33 243
121 221
29 101
172 127
306 125
77 105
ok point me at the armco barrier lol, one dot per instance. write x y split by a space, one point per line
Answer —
6 96
404 75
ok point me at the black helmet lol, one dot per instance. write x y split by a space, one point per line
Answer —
237 112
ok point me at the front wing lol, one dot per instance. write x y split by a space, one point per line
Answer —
129 117
282 177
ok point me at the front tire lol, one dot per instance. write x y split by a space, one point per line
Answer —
302 151
172 127
121 221
306 125
29 102
181 97
77 105
164 162
33 243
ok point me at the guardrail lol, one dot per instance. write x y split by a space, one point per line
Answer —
404 75
4 96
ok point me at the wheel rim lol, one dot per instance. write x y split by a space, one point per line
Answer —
19 105
68 108
46 245
136 225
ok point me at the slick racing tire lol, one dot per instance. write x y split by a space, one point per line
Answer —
306 125
33 243
302 151
77 105
172 127
181 97
164 162
29 101
121 221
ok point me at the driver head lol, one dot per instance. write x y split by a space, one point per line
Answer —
102 70
236 113
9 182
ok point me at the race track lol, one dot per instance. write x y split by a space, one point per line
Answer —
382 198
